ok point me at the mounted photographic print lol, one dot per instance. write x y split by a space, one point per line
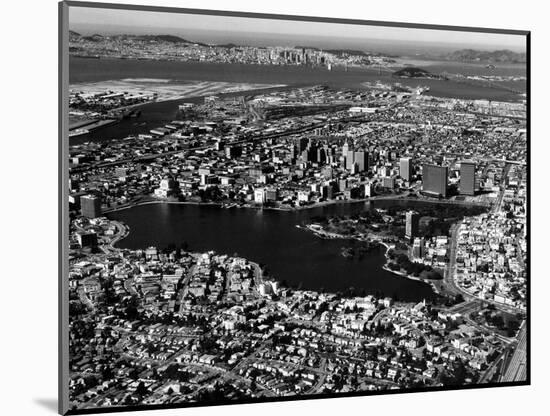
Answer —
265 207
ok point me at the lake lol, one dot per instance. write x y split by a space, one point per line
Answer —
271 237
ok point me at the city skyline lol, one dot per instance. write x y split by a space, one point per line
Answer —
271 32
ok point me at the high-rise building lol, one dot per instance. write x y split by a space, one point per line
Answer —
74 200
369 189
321 155
384 171
406 168
327 191
467 178
342 184
293 154
412 224
271 194
418 248
345 148
349 159
302 143
90 206
434 179
86 239
73 184
233 151
388 182
361 160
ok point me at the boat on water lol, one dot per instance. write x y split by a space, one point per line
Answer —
185 106
78 132
422 89
347 252
132 114
93 125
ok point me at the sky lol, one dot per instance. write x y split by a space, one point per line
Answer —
271 32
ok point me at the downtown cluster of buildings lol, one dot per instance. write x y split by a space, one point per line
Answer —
290 161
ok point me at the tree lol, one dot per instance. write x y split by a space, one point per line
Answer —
141 389
497 321
107 373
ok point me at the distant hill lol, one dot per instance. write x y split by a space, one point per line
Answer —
228 45
500 56
147 38
341 52
94 38
162 38
73 36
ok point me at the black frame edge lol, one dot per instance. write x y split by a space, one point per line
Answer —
63 404
63 215
528 213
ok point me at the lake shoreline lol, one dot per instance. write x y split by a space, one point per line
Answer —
316 205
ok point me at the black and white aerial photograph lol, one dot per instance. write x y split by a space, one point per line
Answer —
260 208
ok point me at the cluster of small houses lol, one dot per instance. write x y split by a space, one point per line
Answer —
490 257
344 326
402 361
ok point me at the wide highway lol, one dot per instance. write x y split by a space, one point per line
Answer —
517 367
